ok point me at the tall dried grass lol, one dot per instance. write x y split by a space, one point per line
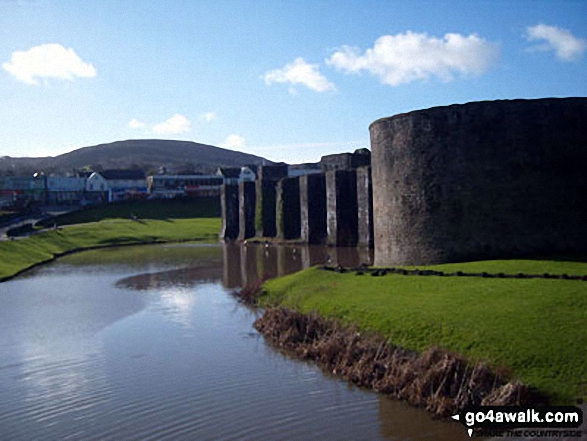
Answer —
440 382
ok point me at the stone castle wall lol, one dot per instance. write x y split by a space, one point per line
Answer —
481 180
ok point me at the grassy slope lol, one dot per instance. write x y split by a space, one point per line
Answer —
156 209
535 329
162 221
526 266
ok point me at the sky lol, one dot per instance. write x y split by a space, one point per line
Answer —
287 80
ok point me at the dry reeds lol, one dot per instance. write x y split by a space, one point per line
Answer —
436 380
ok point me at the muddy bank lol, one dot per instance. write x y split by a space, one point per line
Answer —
440 382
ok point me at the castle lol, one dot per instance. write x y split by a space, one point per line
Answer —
482 180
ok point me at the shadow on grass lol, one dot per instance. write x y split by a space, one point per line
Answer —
561 257
165 210
126 239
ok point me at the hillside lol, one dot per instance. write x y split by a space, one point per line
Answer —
148 154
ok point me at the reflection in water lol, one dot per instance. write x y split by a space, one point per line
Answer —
231 272
140 257
403 422
152 347
249 263
182 277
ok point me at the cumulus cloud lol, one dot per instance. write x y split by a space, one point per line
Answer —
412 56
136 124
565 45
209 116
48 61
176 124
299 72
234 142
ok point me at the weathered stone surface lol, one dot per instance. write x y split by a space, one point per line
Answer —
271 172
266 183
346 161
341 208
479 181
288 208
246 205
365 206
265 216
313 208
230 212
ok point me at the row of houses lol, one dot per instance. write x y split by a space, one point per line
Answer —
115 185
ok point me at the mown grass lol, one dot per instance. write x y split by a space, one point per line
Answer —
17 255
559 265
154 209
534 329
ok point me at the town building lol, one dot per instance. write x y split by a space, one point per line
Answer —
116 185
65 189
172 186
22 188
234 175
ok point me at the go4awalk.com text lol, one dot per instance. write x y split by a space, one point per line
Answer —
508 421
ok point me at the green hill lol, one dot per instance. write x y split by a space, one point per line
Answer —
135 153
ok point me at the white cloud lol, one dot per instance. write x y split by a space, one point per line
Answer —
176 124
209 116
566 46
411 56
234 142
299 72
136 124
48 61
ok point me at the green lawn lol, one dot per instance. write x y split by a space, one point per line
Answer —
534 329
20 254
154 209
577 266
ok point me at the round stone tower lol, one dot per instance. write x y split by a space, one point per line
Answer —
482 180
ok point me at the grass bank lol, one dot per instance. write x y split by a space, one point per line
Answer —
19 255
152 209
533 329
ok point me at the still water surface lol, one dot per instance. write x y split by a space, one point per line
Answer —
145 343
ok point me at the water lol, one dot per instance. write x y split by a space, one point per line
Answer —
145 343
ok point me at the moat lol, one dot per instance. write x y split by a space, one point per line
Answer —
146 342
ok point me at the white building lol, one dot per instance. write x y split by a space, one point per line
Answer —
170 186
234 175
118 184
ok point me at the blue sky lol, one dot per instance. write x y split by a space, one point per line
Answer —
287 80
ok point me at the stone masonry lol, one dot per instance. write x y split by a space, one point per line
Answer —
341 208
246 206
288 208
482 180
266 183
313 209
365 206
230 212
